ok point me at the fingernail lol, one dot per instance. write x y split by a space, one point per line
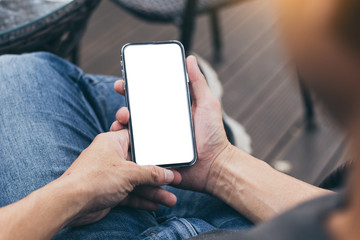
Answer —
194 58
169 176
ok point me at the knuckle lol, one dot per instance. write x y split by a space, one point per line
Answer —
102 140
122 140
122 136
155 174
125 135
100 137
133 171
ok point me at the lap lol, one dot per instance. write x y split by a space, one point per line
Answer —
50 111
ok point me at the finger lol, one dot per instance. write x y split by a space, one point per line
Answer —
198 86
119 87
156 194
177 177
122 137
122 115
152 175
116 126
138 202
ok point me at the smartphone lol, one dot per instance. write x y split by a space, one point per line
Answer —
157 93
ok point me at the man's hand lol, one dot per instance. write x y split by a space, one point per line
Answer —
99 179
108 180
211 140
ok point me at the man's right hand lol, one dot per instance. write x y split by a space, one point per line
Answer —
107 179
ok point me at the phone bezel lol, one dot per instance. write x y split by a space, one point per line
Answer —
123 65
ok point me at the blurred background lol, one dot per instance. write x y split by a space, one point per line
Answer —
240 39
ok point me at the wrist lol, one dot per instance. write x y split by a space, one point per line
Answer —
231 173
220 166
66 199
45 211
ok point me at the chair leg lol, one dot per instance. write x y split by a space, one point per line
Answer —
188 23
216 38
308 105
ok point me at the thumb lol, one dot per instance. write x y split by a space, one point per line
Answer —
198 86
155 176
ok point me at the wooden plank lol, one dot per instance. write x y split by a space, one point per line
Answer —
253 76
257 94
309 153
273 117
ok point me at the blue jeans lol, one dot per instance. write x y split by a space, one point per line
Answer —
49 112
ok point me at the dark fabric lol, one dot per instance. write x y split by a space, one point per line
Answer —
303 222
337 178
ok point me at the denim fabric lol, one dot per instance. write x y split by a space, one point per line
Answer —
49 112
193 214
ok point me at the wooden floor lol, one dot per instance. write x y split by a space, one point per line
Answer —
259 83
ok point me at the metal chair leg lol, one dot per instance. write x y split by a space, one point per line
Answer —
187 27
308 105
215 26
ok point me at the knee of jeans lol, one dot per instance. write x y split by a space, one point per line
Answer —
33 71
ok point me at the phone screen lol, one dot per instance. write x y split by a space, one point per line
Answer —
158 100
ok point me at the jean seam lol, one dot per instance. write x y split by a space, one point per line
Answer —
189 227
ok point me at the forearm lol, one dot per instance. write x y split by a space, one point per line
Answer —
41 214
255 189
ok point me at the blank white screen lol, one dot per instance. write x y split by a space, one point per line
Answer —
158 103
